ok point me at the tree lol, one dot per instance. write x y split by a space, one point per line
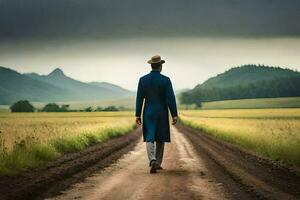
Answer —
64 108
51 107
99 109
111 108
88 109
22 106
198 104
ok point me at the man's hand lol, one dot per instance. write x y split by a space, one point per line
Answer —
138 121
174 120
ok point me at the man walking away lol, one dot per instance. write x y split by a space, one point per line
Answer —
156 92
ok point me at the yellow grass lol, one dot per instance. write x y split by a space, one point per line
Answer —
48 126
52 133
245 113
271 132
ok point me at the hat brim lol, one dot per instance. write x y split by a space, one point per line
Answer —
161 61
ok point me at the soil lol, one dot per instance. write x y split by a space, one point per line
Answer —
195 166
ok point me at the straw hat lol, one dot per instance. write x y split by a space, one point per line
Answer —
156 59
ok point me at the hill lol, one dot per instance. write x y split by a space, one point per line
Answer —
247 74
55 86
246 82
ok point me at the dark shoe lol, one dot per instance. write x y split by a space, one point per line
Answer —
159 167
152 166
151 162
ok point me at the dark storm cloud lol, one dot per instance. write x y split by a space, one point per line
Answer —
121 18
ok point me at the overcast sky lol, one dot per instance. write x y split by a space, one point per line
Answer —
125 18
111 40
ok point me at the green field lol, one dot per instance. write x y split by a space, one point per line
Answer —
274 133
31 139
129 103
286 102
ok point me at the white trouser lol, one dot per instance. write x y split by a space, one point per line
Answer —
155 154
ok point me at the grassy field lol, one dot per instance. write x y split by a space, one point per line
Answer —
286 102
274 133
128 103
31 139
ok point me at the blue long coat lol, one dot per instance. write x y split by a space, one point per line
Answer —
157 91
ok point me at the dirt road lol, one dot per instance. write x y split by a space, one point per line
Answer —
186 175
183 177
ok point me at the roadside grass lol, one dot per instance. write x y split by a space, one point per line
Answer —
31 140
269 132
30 153
77 143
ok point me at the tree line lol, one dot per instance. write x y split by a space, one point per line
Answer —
26 106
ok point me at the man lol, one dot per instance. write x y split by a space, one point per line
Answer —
156 92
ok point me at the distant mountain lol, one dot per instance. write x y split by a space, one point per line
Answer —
248 81
55 86
15 86
81 90
112 87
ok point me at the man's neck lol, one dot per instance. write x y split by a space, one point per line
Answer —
156 70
